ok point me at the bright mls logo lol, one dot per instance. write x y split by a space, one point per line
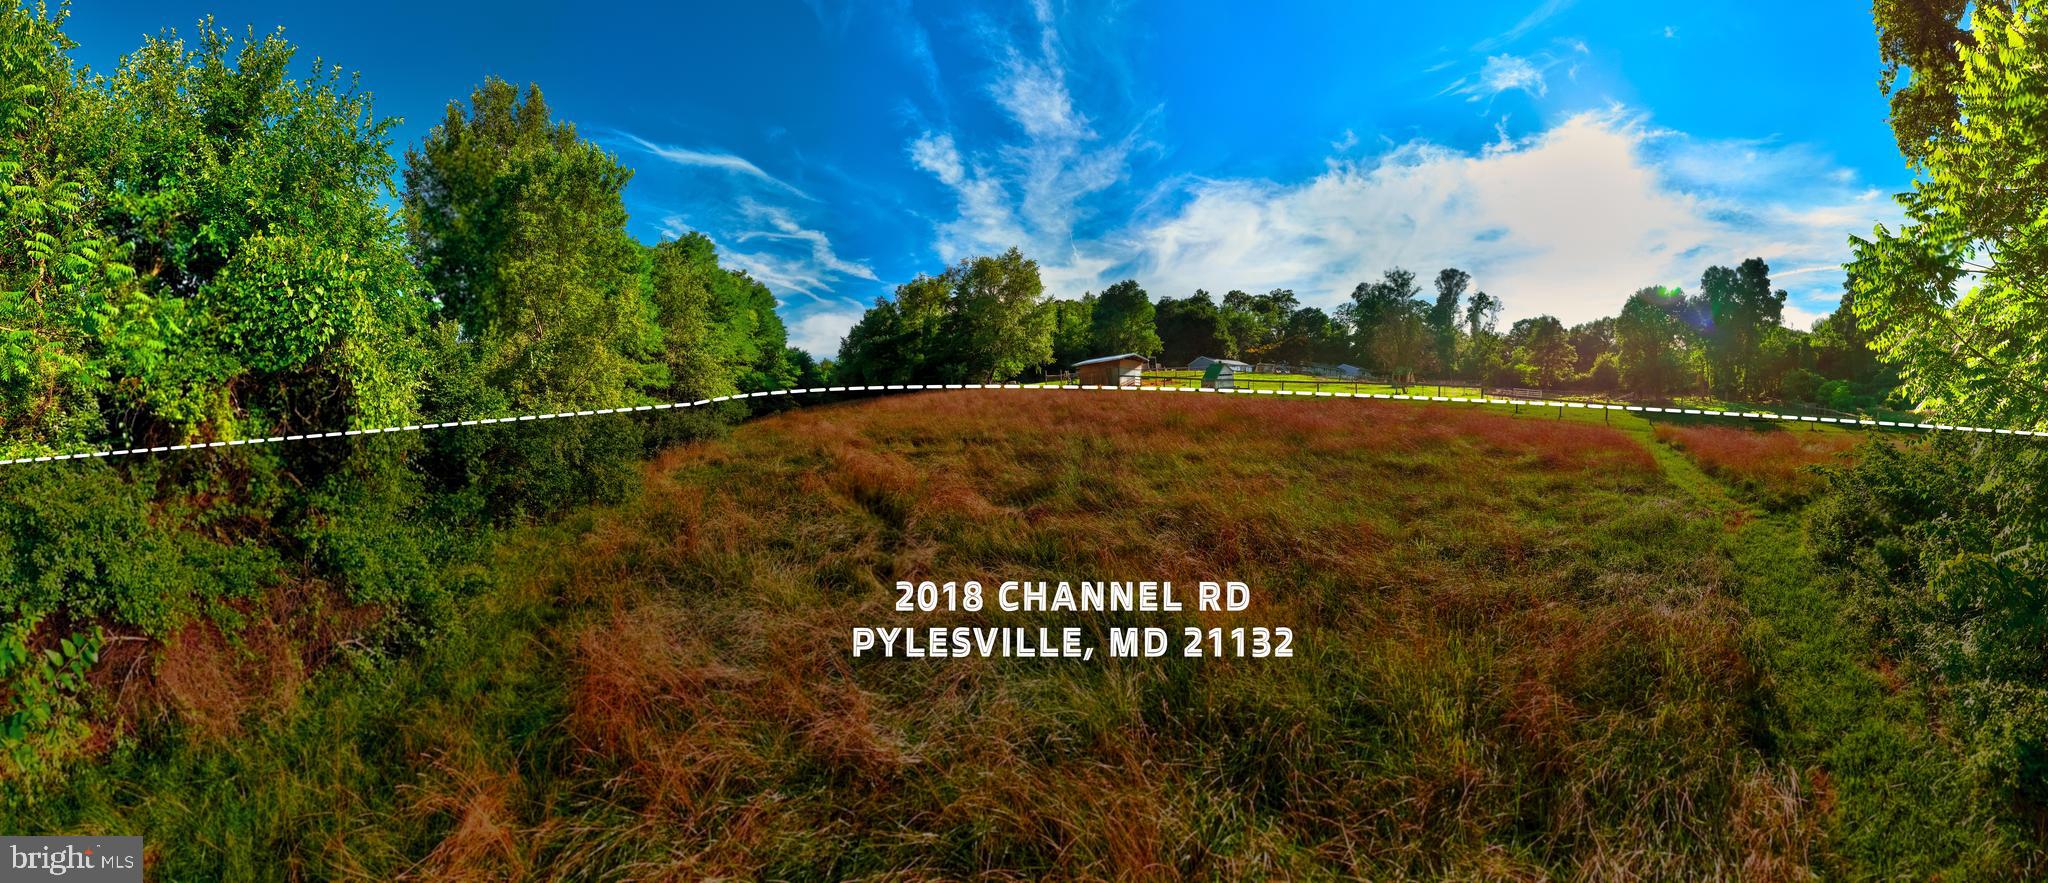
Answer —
79 859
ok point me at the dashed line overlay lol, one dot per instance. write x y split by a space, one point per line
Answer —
906 387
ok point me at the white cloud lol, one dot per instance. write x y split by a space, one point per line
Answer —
1670 32
724 162
1799 317
1504 72
1566 222
819 331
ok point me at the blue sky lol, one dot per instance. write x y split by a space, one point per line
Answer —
1566 152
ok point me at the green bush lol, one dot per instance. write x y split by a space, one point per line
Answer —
1801 385
1943 549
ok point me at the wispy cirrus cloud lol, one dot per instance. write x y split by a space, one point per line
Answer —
710 159
783 227
1034 191
1543 12
781 252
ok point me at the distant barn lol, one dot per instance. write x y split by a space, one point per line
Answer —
1120 370
1202 363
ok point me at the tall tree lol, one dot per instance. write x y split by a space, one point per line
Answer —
1373 305
1740 306
1401 340
1192 327
983 320
1000 318
519 227
1443 315
277 287
1482 313
1589 341
679 283
1955 299
1123 321
1546 348
1926 40
1073 330
1312 336
1645 336
60 274
1256 321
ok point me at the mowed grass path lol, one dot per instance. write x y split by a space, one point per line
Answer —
1522 649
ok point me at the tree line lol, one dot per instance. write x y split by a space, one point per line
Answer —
201 245
987 319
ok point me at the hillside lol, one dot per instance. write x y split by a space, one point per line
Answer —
1525 647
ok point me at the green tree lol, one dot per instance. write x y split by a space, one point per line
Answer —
1123 321
275 289
1589 341
1926 40
1955 298
1401 340
519 228
1443 315
1375 304
1073 330
1482 313
983 320
1842 349
1645 341
1255 322
1312 336
60 275
1192 327
1000 318
1545 348
679 274
1740 307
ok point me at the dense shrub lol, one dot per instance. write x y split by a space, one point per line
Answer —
1943 547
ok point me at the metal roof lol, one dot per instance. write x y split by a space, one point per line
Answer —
1116 358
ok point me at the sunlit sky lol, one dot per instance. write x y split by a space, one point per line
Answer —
1566 153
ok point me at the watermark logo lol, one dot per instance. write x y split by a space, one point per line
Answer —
73 859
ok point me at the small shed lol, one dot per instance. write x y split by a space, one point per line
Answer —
1350 370
1202 363
1119 370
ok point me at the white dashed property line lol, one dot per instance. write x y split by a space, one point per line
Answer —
894 387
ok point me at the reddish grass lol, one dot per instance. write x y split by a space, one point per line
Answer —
1412 548
1516 659
1770 466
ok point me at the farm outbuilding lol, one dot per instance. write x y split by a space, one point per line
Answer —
1202 363
1120 370
1349 370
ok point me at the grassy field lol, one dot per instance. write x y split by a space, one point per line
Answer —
1526 649
1767 464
